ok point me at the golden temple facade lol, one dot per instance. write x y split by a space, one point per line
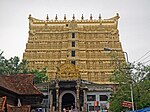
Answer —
52 43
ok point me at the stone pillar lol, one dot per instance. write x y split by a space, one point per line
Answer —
78 93
78 100
57 97
51 101
85 102
60 103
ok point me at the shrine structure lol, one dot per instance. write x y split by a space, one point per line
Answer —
78 67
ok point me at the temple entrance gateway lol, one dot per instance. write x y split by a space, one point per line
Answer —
68 89
68 101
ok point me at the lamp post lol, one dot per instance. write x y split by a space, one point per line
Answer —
48 98
127 60
132 96
109 49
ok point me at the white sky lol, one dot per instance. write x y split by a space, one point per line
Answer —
134 22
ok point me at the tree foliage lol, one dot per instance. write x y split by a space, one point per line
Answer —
138 76
40 76
14 66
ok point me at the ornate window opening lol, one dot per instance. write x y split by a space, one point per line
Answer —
73 35
73 62
73 44
73 53
103 97
91 97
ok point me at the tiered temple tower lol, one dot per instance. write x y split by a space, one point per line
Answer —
80 42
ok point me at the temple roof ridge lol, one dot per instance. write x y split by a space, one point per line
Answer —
82 20
114 18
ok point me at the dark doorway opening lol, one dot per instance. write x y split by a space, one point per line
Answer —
68 101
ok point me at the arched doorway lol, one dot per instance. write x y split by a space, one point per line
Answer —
68 101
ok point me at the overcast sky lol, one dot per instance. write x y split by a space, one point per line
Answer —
134 22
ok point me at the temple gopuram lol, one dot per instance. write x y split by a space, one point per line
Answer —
78 66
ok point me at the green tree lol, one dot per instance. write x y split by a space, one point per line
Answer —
2 61
14 66
40 76
139 76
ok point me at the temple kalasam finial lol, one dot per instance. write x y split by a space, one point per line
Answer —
100 16
73 17
91 17
64 16
82 17
47 18
56 17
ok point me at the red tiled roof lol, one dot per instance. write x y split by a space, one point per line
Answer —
20 84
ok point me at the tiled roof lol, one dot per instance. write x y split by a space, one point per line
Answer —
20 84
